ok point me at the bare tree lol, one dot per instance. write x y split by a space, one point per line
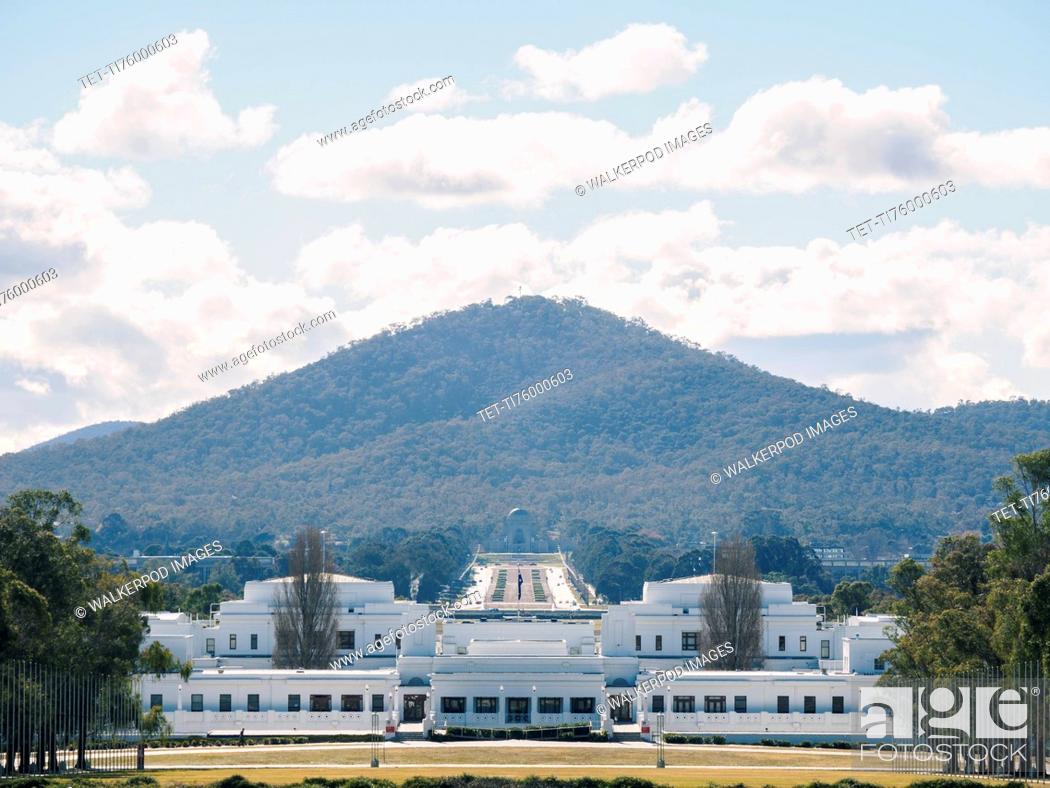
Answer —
732 604
305 619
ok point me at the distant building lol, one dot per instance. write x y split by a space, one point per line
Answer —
508 673
521 533
831 553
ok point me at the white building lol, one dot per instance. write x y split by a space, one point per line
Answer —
512 673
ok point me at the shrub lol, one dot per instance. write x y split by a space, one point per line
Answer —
237 781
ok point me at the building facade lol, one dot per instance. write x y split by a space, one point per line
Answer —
498 672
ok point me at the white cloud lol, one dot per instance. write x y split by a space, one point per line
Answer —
669 269
160 107
440 99
792 138
451 162
638 59
38 387
137 311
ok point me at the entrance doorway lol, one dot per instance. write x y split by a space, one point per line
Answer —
415 708
622 711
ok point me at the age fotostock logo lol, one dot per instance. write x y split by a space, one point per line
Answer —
944 722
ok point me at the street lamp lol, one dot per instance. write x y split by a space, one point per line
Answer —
324 560
714 553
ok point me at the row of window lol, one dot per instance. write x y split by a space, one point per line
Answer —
345 638
317 702
825 645
716 704
209 644
517 706
691 642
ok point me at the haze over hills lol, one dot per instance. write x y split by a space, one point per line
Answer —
91 431
384 432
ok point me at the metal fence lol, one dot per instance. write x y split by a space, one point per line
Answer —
54 721
983 723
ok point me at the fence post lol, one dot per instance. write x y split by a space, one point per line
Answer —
140 761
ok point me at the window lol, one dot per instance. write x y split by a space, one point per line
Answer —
225 703
740 704
377 701
346 640
293 703
658 704
659 642
487 705
233 642
715 704
253 703
783 704
254 643
782 643
550 706
825 649
837 705
320 703
802 643
880 664
690 641
196 703
353 703
684 704
581 705
453 705
517 709
156 700
809 704
209 646
637 642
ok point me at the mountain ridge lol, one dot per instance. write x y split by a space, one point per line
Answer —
384 431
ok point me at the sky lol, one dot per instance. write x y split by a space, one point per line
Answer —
189 210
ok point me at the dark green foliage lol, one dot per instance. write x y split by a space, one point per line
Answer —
384 432
565 731
237 781
981 605
617 563
788 557
43 579
434 557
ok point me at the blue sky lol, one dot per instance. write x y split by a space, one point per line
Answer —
190 210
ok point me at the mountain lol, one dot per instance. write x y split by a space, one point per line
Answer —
384 432
91 431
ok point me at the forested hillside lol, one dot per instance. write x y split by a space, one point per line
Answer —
384 433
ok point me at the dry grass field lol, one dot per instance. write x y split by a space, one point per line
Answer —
673 775
687 765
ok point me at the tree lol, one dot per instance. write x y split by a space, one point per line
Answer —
200 599
47 585
158 660
851 597
732 605
305 620
155 724
904 575
1022 531
786 555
